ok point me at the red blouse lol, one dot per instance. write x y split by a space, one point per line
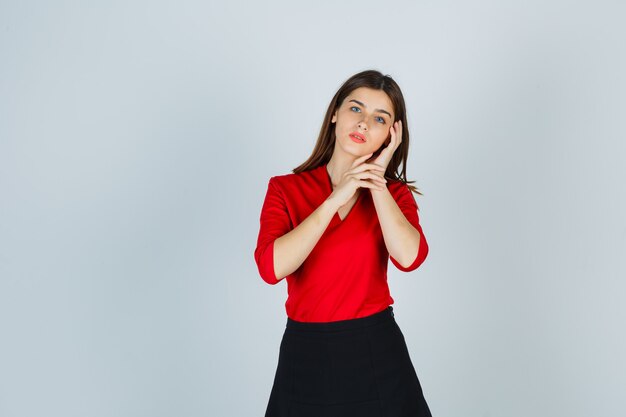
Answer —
345 275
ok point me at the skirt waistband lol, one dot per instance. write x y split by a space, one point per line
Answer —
349 324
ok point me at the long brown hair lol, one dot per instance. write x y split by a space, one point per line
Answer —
325 144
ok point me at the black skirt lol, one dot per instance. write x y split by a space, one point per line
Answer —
358 367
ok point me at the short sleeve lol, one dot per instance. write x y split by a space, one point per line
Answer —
274 223
408 206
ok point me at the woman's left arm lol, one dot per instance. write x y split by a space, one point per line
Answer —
401 238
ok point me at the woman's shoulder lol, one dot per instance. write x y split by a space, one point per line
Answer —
291 178
309 184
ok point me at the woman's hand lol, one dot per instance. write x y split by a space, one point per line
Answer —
358 176
387 152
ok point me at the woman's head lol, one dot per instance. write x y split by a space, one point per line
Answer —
366 113
368 103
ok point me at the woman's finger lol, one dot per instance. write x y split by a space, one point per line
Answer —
364 167
375 167
371 185
361 159
370 175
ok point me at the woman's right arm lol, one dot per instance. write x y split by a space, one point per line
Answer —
292 249
280 249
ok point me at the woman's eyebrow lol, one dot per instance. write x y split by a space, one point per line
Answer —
378 110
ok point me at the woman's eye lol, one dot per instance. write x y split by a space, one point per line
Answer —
381 119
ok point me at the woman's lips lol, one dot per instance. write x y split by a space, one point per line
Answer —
356 138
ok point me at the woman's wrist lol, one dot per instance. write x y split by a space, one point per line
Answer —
330 205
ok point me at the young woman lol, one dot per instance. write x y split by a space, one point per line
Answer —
330 228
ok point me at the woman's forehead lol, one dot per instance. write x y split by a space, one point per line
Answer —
371 99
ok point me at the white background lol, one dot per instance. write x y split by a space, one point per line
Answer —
136 142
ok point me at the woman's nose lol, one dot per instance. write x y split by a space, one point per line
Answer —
362 125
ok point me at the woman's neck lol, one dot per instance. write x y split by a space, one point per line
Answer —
338 166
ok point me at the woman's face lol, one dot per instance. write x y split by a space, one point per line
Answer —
366 112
